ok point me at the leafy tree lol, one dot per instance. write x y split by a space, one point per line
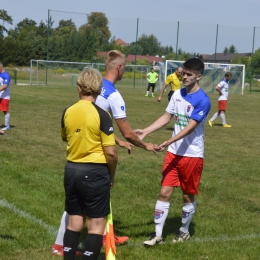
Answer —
225 50
150 44
135 48
99 21
5 18
170 56
232 49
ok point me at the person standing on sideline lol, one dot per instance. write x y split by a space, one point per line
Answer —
183 163
90 169
174 80
5 80
222 89
152 78
110 100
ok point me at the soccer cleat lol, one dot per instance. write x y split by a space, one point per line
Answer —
152 95
153 240
225 125
6 128
210 123
146 95
181 236
118 240
58 250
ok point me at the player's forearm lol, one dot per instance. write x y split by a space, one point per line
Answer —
184 132
159 123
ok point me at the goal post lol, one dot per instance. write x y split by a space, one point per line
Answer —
44 72
64 73
213 73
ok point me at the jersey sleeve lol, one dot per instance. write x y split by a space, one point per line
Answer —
106 128
201 110
117 105
168 80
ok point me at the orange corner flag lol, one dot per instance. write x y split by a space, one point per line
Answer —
110 237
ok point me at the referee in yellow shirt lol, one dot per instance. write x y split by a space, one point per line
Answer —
174 80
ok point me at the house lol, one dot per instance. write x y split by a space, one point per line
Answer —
121 42
224 57
131 57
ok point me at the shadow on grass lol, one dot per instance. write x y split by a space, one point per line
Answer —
7 237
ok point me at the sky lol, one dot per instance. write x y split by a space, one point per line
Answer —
201 26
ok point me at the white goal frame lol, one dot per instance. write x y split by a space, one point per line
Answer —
224 66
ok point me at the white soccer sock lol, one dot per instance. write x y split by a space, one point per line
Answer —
214 117
160 215
147 92
62 229
188 211
7 119
223 118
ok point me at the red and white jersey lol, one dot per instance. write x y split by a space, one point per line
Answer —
223 85
183 107
111 100
5 79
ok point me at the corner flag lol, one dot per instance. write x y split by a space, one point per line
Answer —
110 237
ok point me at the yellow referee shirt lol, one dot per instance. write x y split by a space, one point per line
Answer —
174 81
87 128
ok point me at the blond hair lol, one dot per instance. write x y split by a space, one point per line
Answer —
113 57
90 82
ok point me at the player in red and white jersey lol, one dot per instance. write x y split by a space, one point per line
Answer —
183 162
222 88
5 80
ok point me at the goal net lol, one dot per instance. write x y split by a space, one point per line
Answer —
43 72
64 73
212 75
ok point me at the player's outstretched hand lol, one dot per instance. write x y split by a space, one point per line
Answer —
126 145
163 146
159 99
152 147
140 133
2 132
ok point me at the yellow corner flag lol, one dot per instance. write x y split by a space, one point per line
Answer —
110 237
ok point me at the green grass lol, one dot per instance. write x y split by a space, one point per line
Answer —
226 224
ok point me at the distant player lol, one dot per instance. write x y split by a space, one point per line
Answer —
174 80
222 88
5 80
152 78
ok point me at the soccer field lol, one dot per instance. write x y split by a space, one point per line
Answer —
225 226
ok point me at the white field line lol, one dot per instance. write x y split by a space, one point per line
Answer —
52 230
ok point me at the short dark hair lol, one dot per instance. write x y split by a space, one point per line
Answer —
194 64
228 74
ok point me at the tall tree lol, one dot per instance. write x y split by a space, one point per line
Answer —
100 22
150 44
5 18
232 49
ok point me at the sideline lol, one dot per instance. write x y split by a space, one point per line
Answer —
52 230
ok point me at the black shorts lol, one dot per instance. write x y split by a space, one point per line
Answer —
87 189
170 95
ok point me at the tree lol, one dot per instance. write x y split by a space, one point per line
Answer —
99 21
225 50
232 49
5 18
150 44
135 48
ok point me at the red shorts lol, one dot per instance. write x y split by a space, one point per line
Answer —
222 105
182 171
4 104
